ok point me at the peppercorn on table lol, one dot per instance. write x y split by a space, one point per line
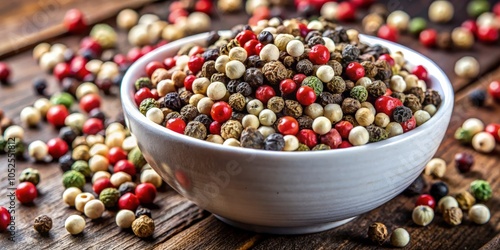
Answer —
180 224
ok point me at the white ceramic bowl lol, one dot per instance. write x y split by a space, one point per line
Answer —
287 192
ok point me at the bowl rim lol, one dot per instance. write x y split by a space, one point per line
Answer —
129 106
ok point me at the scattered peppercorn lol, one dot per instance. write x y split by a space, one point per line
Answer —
43 224
377 232
109 197
481 190
143 226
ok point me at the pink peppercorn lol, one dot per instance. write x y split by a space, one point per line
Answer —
420 72
344 128
128 201
195 64
101 184
152 66
125 166
116 154
92 126
141 94
176 124
388 33
355 71
146 193
319 54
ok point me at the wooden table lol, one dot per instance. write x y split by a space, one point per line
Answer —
180 223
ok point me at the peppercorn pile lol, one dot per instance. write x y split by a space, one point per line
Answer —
287 85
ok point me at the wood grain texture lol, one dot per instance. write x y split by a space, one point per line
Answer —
182 225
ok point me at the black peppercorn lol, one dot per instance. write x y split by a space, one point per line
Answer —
401 96
315 40
244 88
213 36
196 130
127 187
350 105
172 101
377 88
205 119
40 85
438 190
477 97
418 92
252 138
265 37
232 85
432 97
416 187
293 108
304 66
142 211
185 95
210 54
68 134
311 34
412 102
65 162
237 116
350 53
189 112
97 113
255 61
208 69
305 122
254 77
342 33
274 142
219 77
401 114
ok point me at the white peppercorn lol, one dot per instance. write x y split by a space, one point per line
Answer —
75 121
394 129
119 178
269 53
291 143
441 11
329 10
231 142
321 125
198 22
30 116
127 18
99 149
422 215
220 63
40 49
250 121
329 44
215 139
235 69
155 115
400 237
325 73
435 167
38 150
421 116
315 25
295 48
364 116
462 38
266 130
397 83
479 214
85 89
124 218
81 199
358 136
94 209
467 67
70 194
333 112
150 176
238 53
314 110
431 109
205 105
364 81
165 86
42 105
74 224
254 107
473 126
216 91
398 19
14 131
382 120
353 35
483 142
267 117
446 203
98 163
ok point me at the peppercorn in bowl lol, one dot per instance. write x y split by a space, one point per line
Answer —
228 164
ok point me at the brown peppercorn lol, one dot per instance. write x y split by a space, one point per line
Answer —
418 92
81 153
293 108
412 102
326 98
224 49
237 116
255 61
370 70
453 216
43 224
204 119
377 88
377 232
231 129
275 72
276 104
432 97
289 61
400 95
465 200
349 85
443 40
158 75
219 77
304 66
178 78
237 101
376 133
350 105
252 138
196 130
171 115
384 70
185 95
337 67
143 226
351 119
305 122
208 69
189 112
336 85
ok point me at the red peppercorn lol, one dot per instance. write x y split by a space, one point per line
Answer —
215 127
298 78
120 59
221 111
142 94
61 71
355 71
258 48
4 72
318 3
196 50
494 130
332 139
388 58
89 102
261 12
288 125
428 37
245 36
420 72
57 147
134 54
146 49
4 219
305 95
344 128
152 66
146 192
345 144
169 62
78 68
91 44
494 90
409 125
116 154
176 5
387 104
264 93
92 126
470 25
125 166
176 124
303 29
319 54
174 15
362 3
128 201
204 6
26 192
101 184
250 47
188 82
388 33
346 11
487 34
195 64
426 200
464 162
56 115
496 9
288 86
74 21
308 137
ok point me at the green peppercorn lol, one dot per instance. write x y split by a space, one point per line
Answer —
417 25
314 83
73 178
481 190
463 135
477 7
30 175
82 167
321 147
63 98
143 82
148 103
359 93
109 196
376 133
135 156
303 147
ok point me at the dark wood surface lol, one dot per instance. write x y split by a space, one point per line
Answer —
182 225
